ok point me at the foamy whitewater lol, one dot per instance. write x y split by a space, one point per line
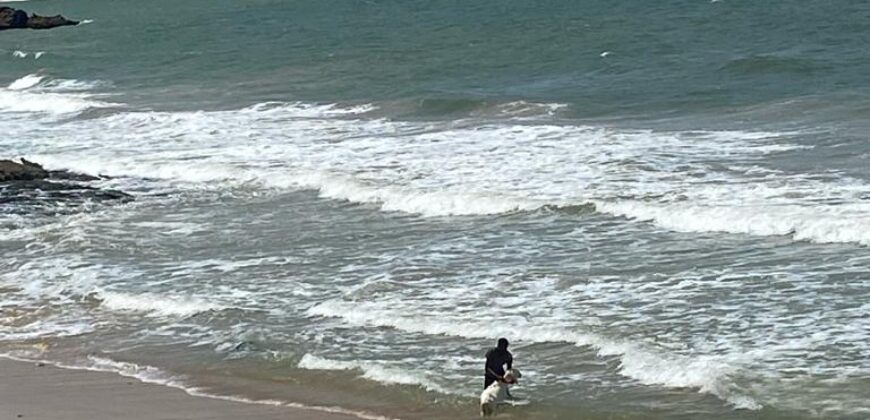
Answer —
329 226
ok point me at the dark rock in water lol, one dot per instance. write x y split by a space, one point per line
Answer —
48 22
24 171
73 176
27 187
11 18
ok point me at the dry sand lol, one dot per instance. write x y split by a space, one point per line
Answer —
31 391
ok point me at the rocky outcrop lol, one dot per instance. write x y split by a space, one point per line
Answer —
28 171
48 22
11 18
26 187
24 171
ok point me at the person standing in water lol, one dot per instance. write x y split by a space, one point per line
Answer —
496 359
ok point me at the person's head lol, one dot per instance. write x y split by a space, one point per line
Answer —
503 343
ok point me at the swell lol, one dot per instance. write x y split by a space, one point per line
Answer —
689 181
760 64
835 223
709 374
371 371
440 108
37 93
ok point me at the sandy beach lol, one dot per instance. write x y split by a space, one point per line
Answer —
38 391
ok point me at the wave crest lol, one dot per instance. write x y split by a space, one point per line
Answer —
376 372
819 224
154 304
35 93
709 374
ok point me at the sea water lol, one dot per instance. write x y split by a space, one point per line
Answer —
344 203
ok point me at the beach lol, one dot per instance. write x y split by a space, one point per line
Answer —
34 390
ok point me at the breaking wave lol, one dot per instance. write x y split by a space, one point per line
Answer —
36 93
157 305
820 224
376 372
710 374
438 169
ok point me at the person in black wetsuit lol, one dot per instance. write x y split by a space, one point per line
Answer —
496 359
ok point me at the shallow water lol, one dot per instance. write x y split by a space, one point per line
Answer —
346 203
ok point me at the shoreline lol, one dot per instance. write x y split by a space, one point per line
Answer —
45 390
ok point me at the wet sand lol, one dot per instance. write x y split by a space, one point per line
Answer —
33 391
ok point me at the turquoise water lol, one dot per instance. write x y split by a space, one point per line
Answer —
662 204
673 58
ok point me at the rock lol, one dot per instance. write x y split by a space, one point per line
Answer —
11 18
30 164
73 176
24 171
27 187
48 22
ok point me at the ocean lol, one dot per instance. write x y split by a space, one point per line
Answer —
664 206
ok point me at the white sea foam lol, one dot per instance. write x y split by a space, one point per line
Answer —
47 328
426 203
43 83
56 280
707 373
154 304
36 93
378 372
228 266
69 85
530 109
174 228
666 178
307 110
22 54
25 82
41 94
146 374
821 224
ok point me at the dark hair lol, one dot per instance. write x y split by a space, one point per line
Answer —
502 343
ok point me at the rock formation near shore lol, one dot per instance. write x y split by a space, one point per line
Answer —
27 186
11 18
24 171
29 171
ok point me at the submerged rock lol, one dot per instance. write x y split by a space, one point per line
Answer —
24 171
11 18
27 186
48 22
